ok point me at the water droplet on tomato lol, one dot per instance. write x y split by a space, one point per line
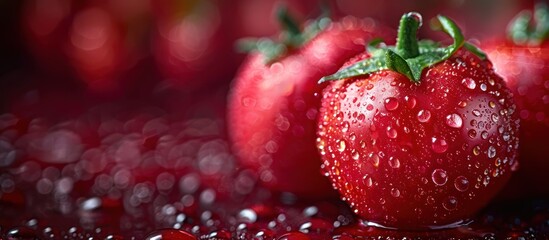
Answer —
450 203
439 145
469 83
410 102
395 192
454 120
342 145
424 116
439 177
472 133
491 152
461 183
394 162
476 150
391 132
345 126
391 104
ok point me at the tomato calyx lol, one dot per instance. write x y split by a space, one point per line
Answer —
293 36
529 28
410 56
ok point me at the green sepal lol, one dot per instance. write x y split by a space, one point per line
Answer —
529 28
396 63
292 36
412 67
475 50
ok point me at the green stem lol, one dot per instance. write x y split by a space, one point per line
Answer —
407 44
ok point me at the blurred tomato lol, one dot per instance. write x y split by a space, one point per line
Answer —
94 41
192 46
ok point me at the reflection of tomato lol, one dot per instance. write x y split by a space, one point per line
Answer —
95 41
192 46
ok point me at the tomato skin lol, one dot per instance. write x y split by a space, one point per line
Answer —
420 156
272 108
525 70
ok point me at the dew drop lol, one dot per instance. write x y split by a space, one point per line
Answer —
483 87
342 145
395 192
391 132
492 104
423 116
391 104
476 150
355 155
469 83
476 113
410 102
472 133
369 107
375 159
454 120
495 118
461 183
484 135
368 181
439 145
462 104
450 203
345 127
491 152
506 136
394 162
439 177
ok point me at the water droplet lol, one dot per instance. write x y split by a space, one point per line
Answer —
423 116
369 107
484 135
375 159
476 150
506 136
345 127
394 162
462 104
469 83
476 113
410 102
472 133
454 120
355 155
368 181
439 145
461 183
391 104
395 192
391 132
492 104
491 152
495 117
439 177
450 203
342 145
483 87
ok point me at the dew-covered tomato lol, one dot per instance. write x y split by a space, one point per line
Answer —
523 61
273 108
418 137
